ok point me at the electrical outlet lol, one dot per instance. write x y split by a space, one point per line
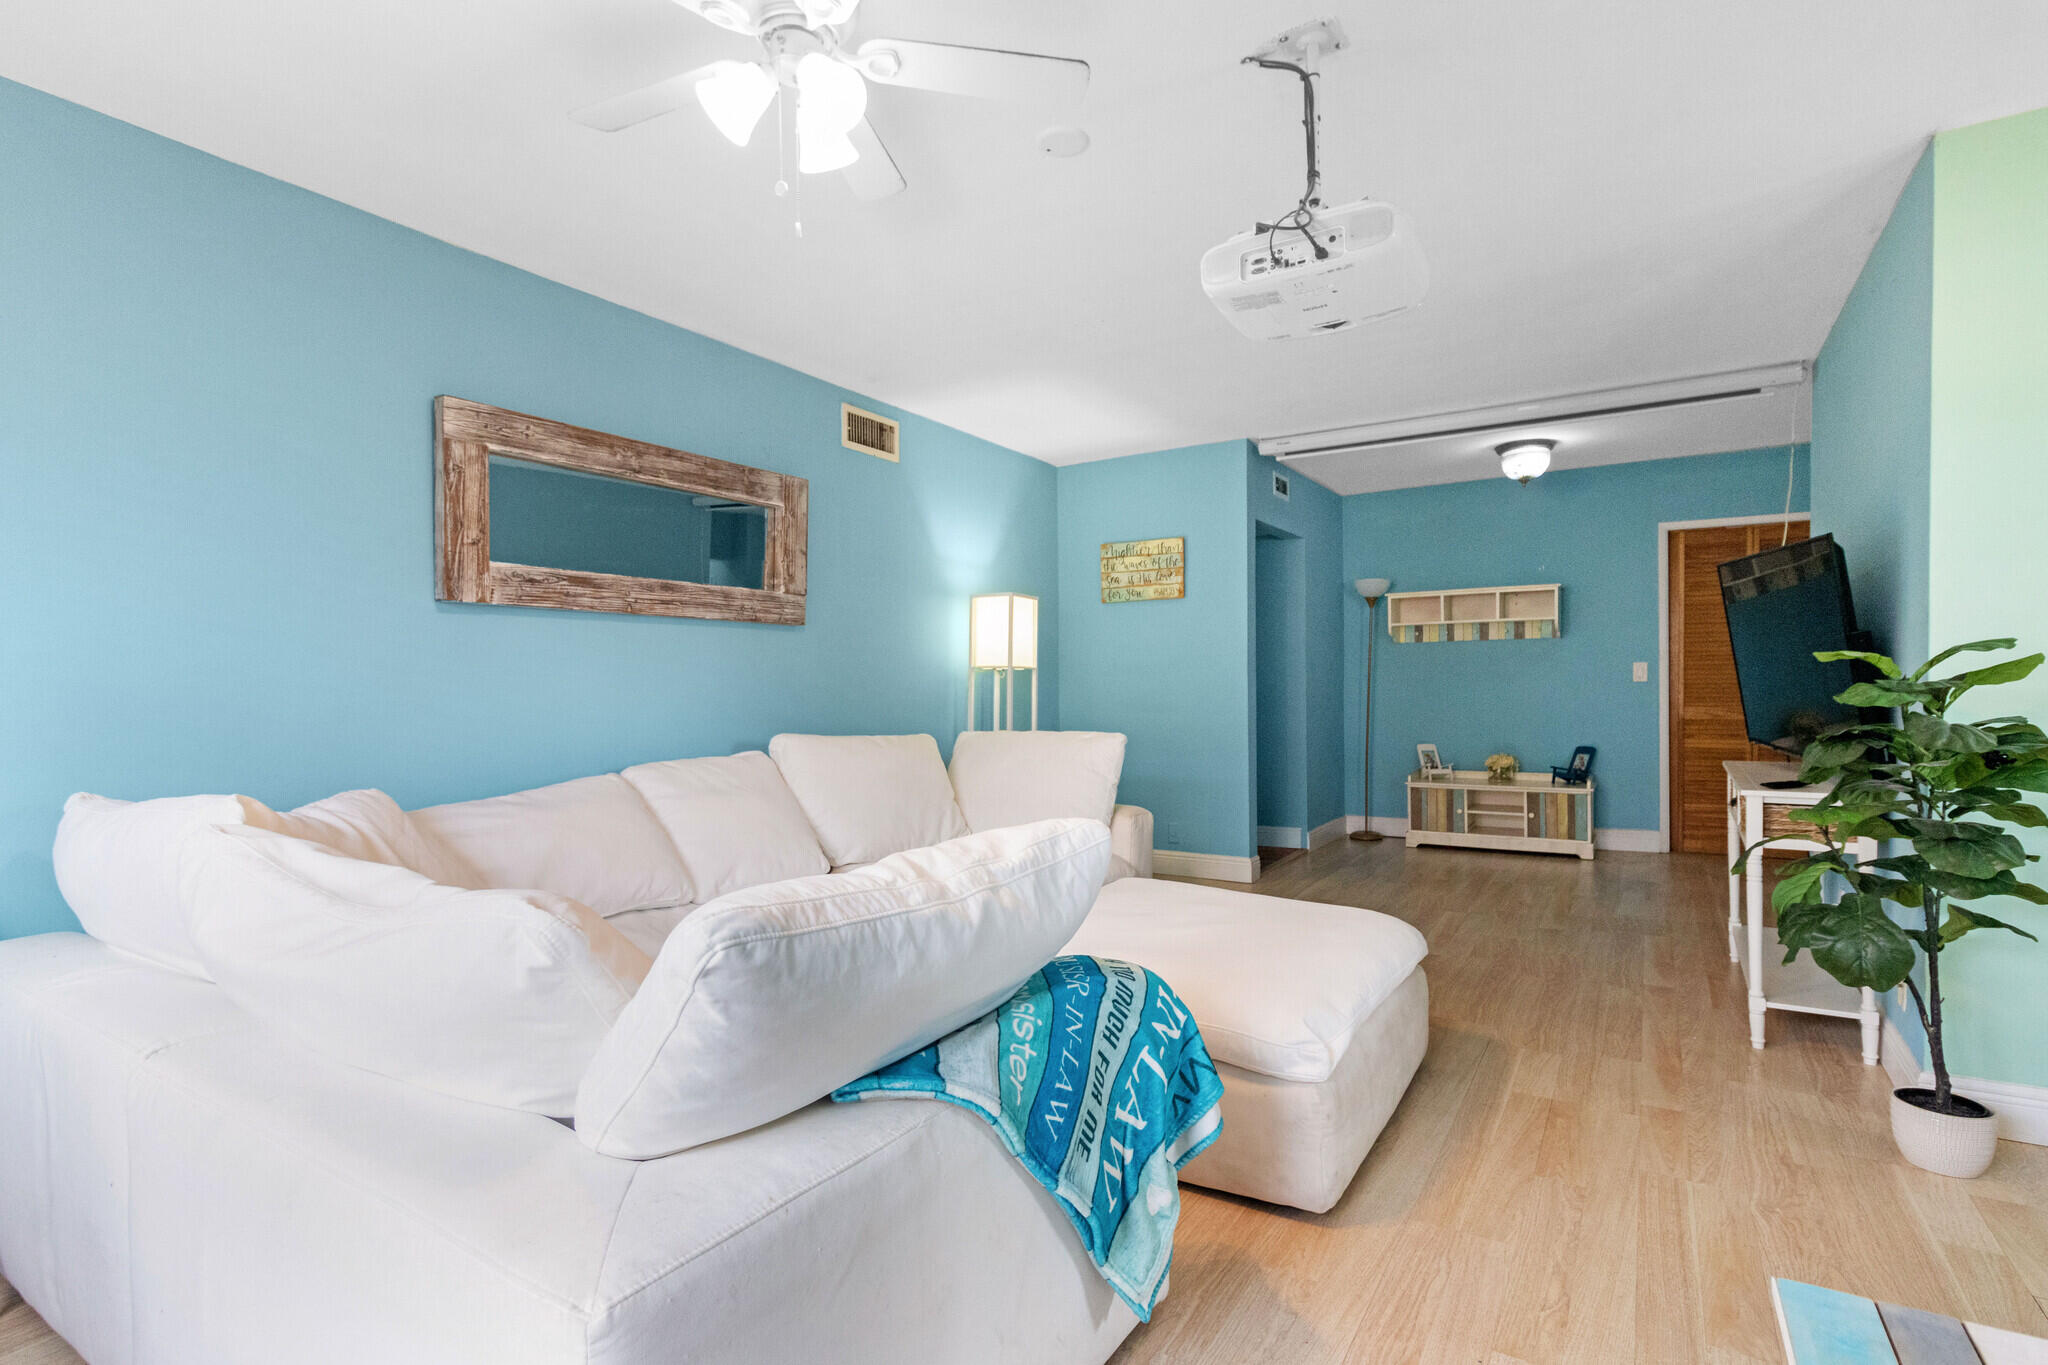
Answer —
1641 672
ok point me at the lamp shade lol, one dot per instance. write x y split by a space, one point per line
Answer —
1371 588
1002 631
735 95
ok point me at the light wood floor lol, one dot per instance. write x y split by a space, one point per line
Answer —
1592 1166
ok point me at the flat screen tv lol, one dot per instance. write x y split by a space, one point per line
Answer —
1784 606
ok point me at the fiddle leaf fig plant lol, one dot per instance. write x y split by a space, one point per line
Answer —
1948 790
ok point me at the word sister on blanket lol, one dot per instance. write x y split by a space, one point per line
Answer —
1099 1083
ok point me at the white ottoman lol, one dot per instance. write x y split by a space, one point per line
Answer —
1317 1017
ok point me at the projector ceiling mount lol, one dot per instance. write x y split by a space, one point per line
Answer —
1314 270
1300 50
819 80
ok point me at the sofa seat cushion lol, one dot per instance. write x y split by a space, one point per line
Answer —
869 796
1278 986
1012 777
593 840
183 1184
733 820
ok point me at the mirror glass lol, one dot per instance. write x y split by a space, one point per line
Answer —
555 518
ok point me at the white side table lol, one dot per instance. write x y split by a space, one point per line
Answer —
1755 811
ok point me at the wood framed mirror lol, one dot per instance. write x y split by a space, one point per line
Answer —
534 513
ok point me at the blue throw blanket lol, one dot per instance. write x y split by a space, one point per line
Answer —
1099 1083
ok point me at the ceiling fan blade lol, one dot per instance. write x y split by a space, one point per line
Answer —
874 175
638 106
985 72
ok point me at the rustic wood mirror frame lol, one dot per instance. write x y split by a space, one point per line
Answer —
467 434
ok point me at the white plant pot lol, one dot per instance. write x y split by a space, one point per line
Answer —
1960 1145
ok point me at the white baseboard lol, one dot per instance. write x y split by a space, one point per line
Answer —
1329 831
2022 1109
1214 867
1896 1056
1618 840
1279 836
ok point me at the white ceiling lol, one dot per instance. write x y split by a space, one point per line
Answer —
1609 193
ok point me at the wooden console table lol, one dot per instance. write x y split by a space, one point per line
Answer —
1756 812
1468 809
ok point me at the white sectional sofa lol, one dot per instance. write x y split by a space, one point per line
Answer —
179 1183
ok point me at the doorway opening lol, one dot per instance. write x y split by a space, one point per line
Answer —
1279 693
1702 706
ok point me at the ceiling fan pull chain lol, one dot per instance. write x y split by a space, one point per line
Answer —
786 184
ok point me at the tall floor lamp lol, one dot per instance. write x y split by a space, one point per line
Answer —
1002 637
1372 590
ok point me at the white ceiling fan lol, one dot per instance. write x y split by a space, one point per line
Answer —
825 115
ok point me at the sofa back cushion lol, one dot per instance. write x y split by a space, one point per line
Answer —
365 825
117 861
1012 777
768 999
869 796
733 821
495 996
117 865
593 840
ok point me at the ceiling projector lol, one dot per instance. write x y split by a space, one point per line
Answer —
1313 269
1273 285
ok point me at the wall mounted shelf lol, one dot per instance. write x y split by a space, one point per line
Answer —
1527 612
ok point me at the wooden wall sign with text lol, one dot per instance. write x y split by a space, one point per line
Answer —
1144 570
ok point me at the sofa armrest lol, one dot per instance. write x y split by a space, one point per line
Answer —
1130 842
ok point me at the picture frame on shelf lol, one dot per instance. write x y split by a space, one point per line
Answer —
1430 762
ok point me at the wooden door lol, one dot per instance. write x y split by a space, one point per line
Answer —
1706 708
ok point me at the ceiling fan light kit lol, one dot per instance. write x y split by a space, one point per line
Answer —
734 95
824 84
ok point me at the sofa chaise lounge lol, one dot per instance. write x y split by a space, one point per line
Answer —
180 1184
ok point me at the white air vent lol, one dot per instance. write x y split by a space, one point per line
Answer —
868 432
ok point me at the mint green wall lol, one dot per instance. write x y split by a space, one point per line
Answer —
1988 552
216 421
1174 676
1595 532
1872 397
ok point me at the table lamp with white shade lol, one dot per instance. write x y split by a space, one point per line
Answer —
1002 636
1372 590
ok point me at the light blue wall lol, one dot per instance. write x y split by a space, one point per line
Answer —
1316 515
216 420
1872 391
1595 532
1174 676
1872 405
1280 681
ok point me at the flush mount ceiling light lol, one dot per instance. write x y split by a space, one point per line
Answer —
824 80
1524 460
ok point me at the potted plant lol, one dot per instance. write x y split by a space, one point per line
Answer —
1947 790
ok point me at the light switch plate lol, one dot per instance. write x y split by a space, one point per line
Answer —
1642 672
